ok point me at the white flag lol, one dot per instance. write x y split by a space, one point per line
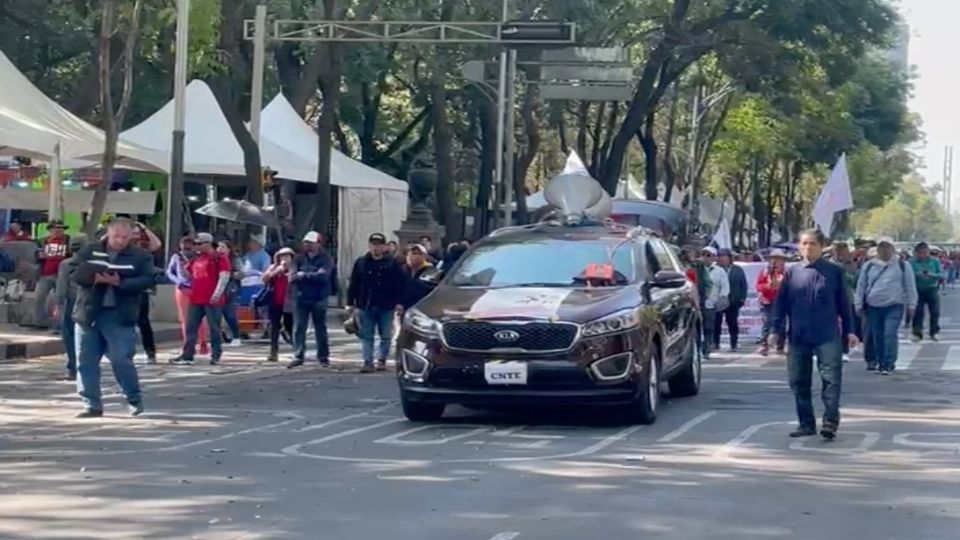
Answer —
722 238
835 197
575 165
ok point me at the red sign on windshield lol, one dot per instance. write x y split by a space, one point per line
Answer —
599 271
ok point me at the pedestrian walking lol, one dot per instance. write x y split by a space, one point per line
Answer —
106 313
768 287
927 272
738 296
66 297
279 298
376 292
313 277
851 272
148 241
225 249
177 274
209 274
717 297
886 289
418 264
812 298
55 250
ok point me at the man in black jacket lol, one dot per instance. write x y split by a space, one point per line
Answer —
376 291
738 296
314 279
106 312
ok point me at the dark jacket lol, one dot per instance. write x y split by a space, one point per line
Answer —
66 288
127 293
415 289
319 281
376 283
738 285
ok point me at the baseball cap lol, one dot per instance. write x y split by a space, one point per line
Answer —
204 238
777 253
710 250
378 238
312 236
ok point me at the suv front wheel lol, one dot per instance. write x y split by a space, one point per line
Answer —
644 409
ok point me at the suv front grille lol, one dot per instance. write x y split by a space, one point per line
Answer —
483 336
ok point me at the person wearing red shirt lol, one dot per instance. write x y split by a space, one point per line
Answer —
209 274
16 233
277 276
768 286
55 250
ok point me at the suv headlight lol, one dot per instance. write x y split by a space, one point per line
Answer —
415 320
611 324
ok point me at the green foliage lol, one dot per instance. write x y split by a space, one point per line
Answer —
912 214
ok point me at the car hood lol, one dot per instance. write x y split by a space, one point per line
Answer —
447 303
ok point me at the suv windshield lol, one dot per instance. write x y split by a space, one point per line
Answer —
542 263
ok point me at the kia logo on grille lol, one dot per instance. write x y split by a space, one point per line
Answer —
506 336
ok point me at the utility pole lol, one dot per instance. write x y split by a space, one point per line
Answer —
502 32
175 184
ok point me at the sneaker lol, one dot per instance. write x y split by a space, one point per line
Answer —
89 413
828 432
872 366
181 361
764 350
803 432
274 356
296 362
152 358
915 338
934 338
368 368
846 358
135 408
214 361
884 371
235 342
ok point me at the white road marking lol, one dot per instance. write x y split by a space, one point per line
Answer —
903 439
870 438
906 355
294 449
504 536
345 418
690 424
952 362
724 451
397 438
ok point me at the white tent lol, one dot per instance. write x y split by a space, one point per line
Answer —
31 124
370 200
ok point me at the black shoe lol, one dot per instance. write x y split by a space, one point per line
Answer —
884 371
872 366
89 413
214 361
828 432
274 356
135 408
803 432
368 368
181 361
67 377
381 365
296 362
324 363
934 338
151 358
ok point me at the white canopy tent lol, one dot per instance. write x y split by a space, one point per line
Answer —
370 200
33 125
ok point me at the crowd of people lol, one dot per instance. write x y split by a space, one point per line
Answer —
102 294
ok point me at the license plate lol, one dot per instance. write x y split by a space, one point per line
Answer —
498 372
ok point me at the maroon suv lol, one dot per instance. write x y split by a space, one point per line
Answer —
554 315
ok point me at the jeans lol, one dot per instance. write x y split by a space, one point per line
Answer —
800 372
143 323
378 321
732 316
709 323
278 320
230 317
106 336
69 335
767 310
302 313
929 298
884 323
45 286
196 313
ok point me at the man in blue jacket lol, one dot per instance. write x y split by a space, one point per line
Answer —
313 277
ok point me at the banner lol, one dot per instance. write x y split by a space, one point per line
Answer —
751 316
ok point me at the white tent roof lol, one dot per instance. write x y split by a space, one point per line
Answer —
31 124
210 147
281 124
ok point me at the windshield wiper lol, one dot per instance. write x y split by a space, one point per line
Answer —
534 284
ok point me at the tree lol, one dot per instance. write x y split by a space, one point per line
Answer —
911 215
113 116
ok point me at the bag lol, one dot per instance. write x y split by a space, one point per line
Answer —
351 324
263 297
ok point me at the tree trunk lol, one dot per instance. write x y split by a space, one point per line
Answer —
443 154
649 144
531 128
330 85
488 157
670 174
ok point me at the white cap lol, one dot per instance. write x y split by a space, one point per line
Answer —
777 252
709 249
312 236
204 238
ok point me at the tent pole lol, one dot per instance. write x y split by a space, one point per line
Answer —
55 208
256 92
175 202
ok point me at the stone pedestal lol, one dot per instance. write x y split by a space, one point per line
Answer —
420 220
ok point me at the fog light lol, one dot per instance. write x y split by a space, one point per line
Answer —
613 367
414 365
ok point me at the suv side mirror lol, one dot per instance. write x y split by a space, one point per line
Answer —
668 279
431 278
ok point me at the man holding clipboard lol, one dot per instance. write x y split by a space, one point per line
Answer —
110 274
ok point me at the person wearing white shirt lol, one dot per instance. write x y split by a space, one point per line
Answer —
717 299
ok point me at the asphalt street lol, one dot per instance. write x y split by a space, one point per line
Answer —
249 450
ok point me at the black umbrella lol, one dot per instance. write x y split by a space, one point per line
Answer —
239 211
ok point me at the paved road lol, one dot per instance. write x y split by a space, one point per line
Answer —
248 450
